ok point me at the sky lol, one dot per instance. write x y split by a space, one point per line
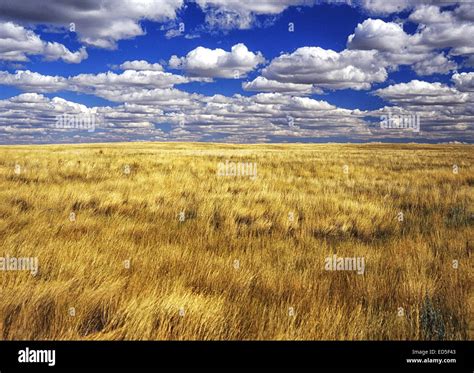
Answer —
236 71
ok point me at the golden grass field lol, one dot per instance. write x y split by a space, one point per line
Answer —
237 267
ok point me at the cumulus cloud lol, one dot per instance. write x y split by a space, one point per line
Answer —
434 64
374 49
419 92
378 34
274 114
260 117
218 63
326 68
33 82
17 43
98 23
169 98
116 87
445 29
384 7
438 30
141 65
108 85
261 84
442 111
32 117
395 47
464 82
32 109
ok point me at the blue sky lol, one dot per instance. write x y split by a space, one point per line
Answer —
240 71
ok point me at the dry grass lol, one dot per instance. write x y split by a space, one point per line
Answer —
191 264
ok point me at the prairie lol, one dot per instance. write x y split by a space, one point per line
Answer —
148 241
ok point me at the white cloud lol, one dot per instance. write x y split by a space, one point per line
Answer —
259 117
419 92
434 64
251 6
241 14
326 68
384 7
378 34
445 29
55 51
443 112
375 48
262 117
128 85
394 47
430 14
465 11
173 33
168 98
33 82
141 65
17 43
31 117
127 79
32 109
116 87
217 63
100 24
261 84
229 19
307 104
464 82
